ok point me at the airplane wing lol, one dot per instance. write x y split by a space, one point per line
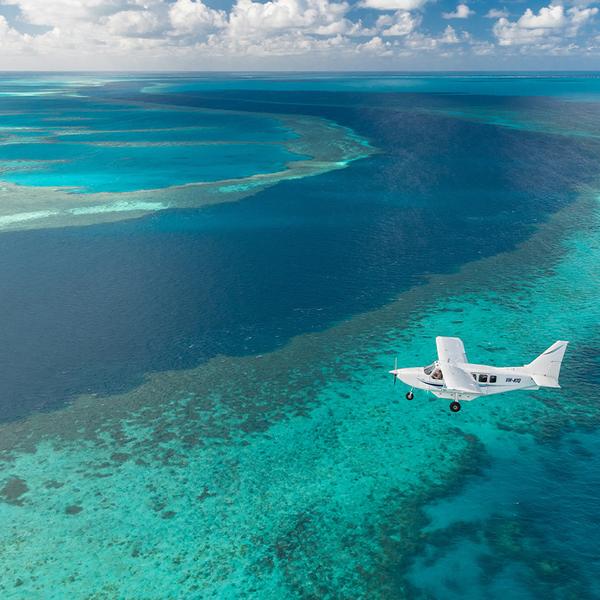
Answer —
450 350
457 379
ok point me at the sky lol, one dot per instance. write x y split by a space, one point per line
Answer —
395 35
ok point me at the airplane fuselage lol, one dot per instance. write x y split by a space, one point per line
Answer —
491 380
452 376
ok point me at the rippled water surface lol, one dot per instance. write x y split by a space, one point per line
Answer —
204 283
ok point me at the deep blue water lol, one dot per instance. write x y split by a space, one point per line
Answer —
555 84
94 308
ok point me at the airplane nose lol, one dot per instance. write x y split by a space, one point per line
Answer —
404 375
398 372
402 371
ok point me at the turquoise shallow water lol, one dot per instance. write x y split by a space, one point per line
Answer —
78 166
501 523
264 452
75 143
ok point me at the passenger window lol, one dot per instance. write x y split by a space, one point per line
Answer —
482 378
474 376
492 379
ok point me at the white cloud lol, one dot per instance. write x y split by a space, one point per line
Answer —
420 42
280 44
133 23
189 33
449 36
63 12
482 48
345 27
579 17
9 37
511 34
281 27
248 18
399 24
123 33
393 4
496 13
548 17
462 12
549 26
376 46
189 16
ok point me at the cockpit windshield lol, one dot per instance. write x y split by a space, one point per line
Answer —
429 369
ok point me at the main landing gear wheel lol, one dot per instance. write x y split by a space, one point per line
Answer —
454 406
409 395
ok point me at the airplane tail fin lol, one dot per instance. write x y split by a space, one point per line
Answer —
546 367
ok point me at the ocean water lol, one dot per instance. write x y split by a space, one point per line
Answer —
579 86
195 400
73 143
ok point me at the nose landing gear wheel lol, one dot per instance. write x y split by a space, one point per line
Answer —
409 395
454 406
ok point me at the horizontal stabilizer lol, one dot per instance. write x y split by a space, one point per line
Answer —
545 369
545 381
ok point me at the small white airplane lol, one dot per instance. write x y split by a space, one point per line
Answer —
453 376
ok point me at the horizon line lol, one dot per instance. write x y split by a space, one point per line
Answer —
251 71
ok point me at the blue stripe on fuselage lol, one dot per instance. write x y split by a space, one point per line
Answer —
434 384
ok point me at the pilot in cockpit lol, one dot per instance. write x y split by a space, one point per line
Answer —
434 372
437 374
